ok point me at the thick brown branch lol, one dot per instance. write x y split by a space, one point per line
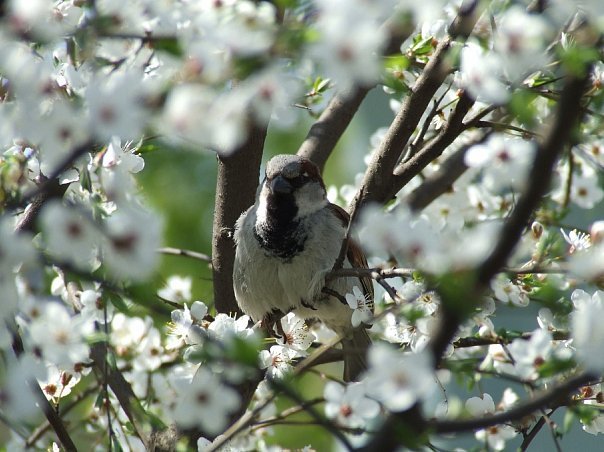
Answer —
411 168
235 192
567 116
327 130
378 181
324 134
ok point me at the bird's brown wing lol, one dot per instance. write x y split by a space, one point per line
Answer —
354 253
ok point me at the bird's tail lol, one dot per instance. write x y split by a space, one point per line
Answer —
355 348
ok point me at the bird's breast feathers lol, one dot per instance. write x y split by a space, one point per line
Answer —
264 281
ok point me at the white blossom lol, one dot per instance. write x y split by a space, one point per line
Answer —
348 405
398 380
297 335
362 311
177 289
588 336
59 336
277 361
205 402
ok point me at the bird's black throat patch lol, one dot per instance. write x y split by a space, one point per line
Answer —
281 235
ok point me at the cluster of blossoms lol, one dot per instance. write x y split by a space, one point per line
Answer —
86 87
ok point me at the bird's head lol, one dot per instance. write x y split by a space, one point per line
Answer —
292 189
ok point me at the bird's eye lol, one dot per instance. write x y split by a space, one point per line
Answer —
300 180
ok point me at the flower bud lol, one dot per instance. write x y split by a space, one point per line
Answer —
537 230
596 232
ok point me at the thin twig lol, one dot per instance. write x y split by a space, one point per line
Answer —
106 377
321 420
387 287
399 272
287 413
442 181
502 126
248 417
122 390
555 395
42 429
482 341
65 164
186 253
552 428
530 436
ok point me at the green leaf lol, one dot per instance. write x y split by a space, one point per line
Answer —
422 46
156 423
119 303
320 84
569 419
576 58
396 62
555 366
395 83
110 358
168 45
244 351
85 180
585 413
522 107
100 398
117 447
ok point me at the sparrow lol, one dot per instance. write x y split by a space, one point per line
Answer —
286 244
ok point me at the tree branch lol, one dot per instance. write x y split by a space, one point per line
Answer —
121 388
439 183
52 416
186 253
324 134
409 169
552 397
377 184
327 130
481 341
235 191
48 182
453 312
567 116
42 429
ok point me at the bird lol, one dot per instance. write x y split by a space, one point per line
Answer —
287 244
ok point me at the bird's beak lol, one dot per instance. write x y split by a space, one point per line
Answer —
280 185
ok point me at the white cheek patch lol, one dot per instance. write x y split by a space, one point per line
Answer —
261 212
309 199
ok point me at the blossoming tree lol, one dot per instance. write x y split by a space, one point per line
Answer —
465 210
